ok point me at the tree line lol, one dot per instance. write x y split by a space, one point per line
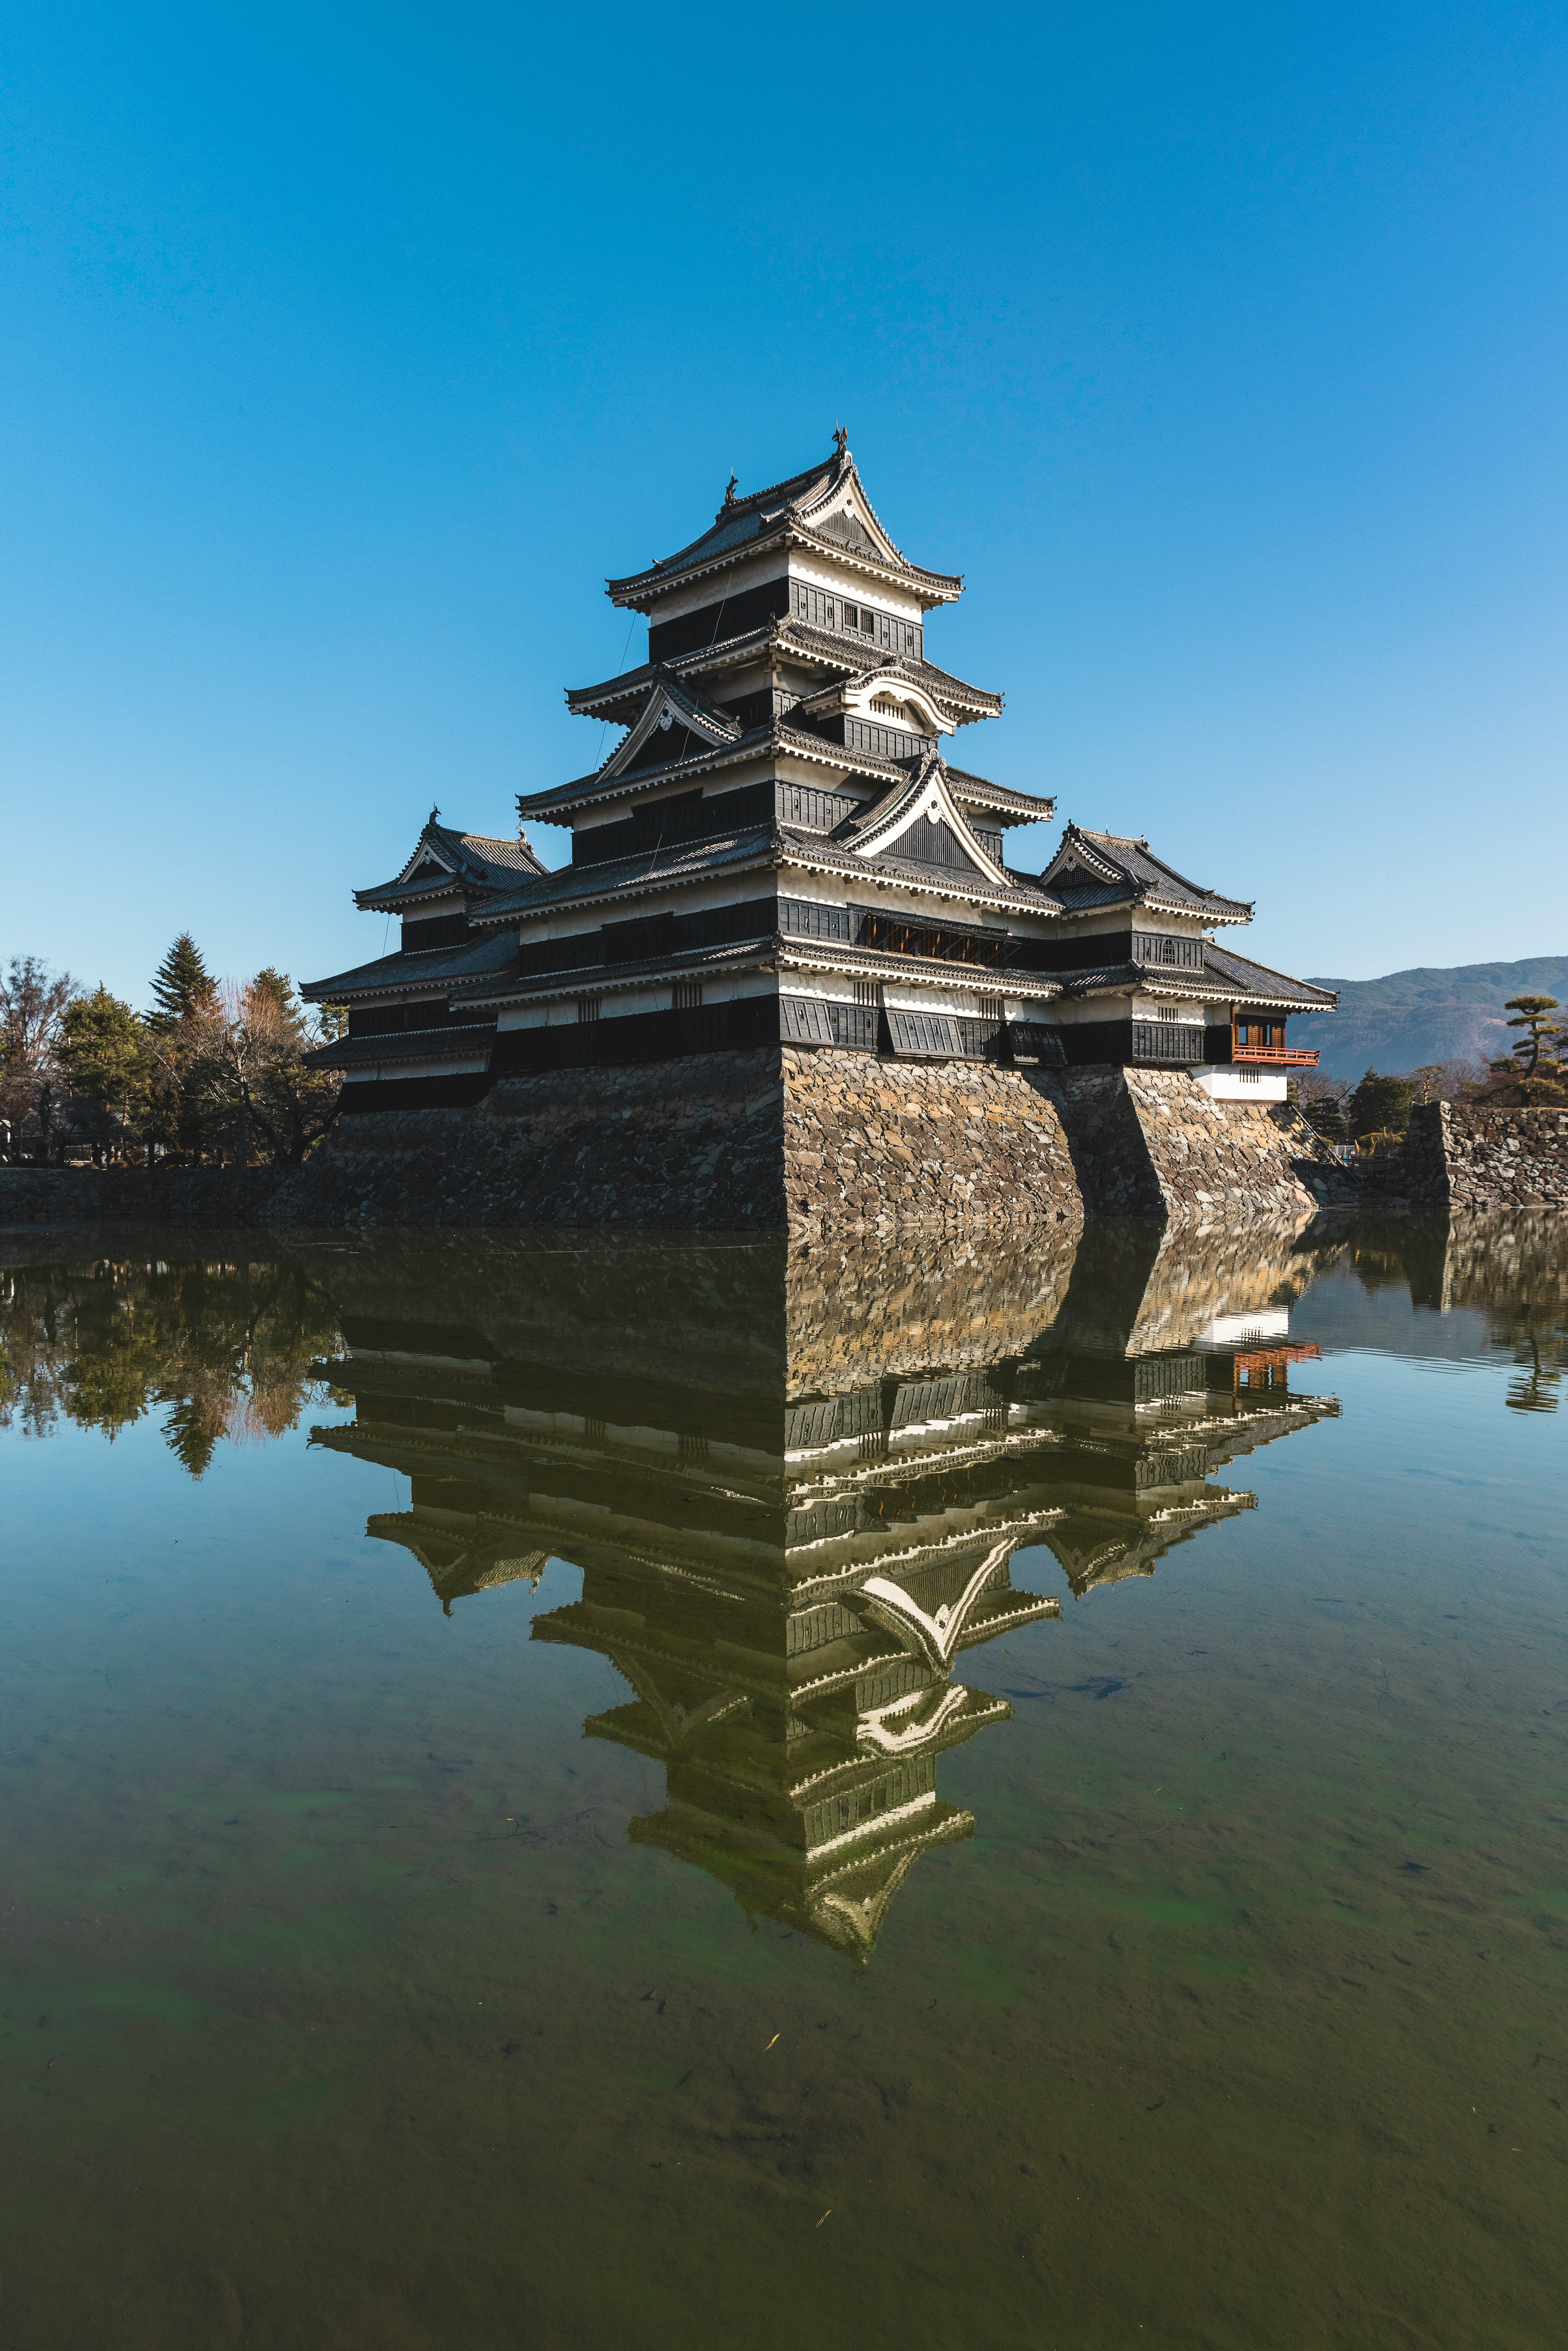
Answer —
1374 1111
212 1071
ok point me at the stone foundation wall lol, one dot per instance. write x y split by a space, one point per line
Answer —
1469 1155
1151 1143
922 1144
779 1139
207 1198
690 1144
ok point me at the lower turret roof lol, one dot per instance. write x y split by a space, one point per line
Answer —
444 859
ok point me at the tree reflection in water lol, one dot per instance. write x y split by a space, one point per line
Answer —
226 1348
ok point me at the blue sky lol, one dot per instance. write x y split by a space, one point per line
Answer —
343 353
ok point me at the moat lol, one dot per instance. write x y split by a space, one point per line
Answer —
1004 1787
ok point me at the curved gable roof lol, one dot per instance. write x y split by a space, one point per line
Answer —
827 504
926 796
1106 869
444 859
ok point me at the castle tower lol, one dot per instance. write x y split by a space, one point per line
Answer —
784 850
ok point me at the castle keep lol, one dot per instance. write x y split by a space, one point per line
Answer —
783 857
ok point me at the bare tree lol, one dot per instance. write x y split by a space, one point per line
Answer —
250 1074
32 1007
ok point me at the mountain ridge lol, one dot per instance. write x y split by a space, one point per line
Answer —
1429 1013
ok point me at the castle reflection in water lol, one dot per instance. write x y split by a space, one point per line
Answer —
795 1479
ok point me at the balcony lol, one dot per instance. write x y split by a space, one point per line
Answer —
1275 1057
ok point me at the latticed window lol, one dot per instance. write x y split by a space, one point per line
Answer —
589 1007
990 1008
1169 948
688 995
868 991
1166 1042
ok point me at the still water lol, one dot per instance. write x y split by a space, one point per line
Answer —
559 1791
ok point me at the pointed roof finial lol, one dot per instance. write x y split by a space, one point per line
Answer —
433 814
730 491
841 439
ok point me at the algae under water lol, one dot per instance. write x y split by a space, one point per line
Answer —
558 1791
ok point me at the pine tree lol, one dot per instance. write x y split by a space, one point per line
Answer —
1381 1105
1533 1011
277 988
183 987
1326 1117
103 1051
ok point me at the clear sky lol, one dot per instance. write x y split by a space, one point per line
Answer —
344 352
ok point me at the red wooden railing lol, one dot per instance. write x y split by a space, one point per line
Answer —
1277 1056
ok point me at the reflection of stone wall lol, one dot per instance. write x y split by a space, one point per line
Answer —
862 1308
1196 1278
921 1144
1139 1288
1472 1156
1508 1263
670 1306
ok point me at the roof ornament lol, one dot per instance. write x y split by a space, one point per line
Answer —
841 439
729 492
433 814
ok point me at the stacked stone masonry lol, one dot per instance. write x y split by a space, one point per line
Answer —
922 1144
1471 1156
1151 1143
784 1139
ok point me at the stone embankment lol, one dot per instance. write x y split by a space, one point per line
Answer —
1151 1143
922 1146
203 1198
787 1140
1473 1156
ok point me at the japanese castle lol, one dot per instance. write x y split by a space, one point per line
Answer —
778 851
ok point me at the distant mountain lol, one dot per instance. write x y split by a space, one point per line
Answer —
1395 1024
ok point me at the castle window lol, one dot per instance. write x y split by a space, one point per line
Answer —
688 995
589 1007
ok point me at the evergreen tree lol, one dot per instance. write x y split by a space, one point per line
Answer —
1326 1117
183 987
1381 1105
276 989
104 1053
1533 1011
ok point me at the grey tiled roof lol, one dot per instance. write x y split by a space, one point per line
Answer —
761 846
977 791
1117 868
596 978
1258 983
773 735
846 652
768 951
619 875
479 860
840 858
741 521
1232 978
406 974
